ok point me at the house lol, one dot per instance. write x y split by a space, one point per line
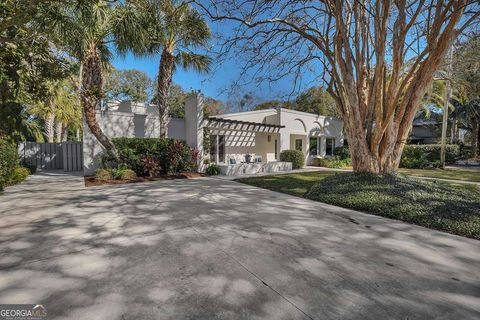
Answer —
240 143
425 130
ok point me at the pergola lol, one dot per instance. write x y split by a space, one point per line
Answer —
221 124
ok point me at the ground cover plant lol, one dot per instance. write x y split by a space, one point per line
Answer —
438 205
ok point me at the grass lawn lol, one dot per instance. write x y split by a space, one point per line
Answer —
454 174
447 206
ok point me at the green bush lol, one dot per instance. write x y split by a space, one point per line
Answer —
342 152
172 155
333 163
128 174
297 158
103 175
19 174
8 161
31 167
428 155
116 173
212 170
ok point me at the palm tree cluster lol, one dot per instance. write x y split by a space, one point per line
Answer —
89 32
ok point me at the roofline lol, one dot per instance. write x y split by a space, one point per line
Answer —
246 112
308 114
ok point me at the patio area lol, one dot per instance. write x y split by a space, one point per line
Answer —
211 248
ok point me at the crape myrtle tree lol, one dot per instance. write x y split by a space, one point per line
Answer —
376 58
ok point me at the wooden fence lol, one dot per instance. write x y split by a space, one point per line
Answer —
66 155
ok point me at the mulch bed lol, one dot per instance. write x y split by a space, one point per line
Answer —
91 182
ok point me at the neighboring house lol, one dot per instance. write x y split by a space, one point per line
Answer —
425 131
234 138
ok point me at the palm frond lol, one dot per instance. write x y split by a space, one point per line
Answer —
192 61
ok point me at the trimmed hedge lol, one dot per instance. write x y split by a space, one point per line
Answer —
8 162
172 155
332 163
297 158
428 155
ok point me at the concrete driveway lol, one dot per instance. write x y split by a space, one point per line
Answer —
217 249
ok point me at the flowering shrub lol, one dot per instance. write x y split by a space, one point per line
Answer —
151 165
172 155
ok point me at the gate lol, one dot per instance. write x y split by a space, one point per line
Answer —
65 155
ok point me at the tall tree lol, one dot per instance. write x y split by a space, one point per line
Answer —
181 31
129 84
377 58
86 30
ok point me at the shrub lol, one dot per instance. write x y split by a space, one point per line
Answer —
31 167
172 155
151 166
212 170
342 152
297 158
428 155
128 174
8 161
116 173
103 175
19 174
333 163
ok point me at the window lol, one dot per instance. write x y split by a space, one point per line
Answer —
313 146
217 148
221 148
299 144
276 149
329 146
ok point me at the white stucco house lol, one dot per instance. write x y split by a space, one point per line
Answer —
240 143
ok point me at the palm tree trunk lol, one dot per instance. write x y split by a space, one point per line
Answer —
49 127
58 131
91 94
163 87
64 132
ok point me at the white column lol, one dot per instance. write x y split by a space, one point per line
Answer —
194 125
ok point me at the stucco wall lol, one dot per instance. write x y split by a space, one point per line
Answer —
122 124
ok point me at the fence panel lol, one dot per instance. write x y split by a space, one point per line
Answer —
72 156
66 155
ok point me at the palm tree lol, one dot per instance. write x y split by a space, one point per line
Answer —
85 30
181 30
67 112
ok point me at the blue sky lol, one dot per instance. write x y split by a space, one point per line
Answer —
214 84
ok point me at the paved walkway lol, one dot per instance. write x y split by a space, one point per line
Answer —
217 249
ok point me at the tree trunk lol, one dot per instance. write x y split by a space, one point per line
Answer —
163 87
58 131
475 137
49 127
91 94
64 133
77 134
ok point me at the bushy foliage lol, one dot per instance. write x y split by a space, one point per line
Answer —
172 155
103 175
151 166
425 203
8 161
342 152
19 174
428 155
212 170
128 174
31 167
297 158
333 162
